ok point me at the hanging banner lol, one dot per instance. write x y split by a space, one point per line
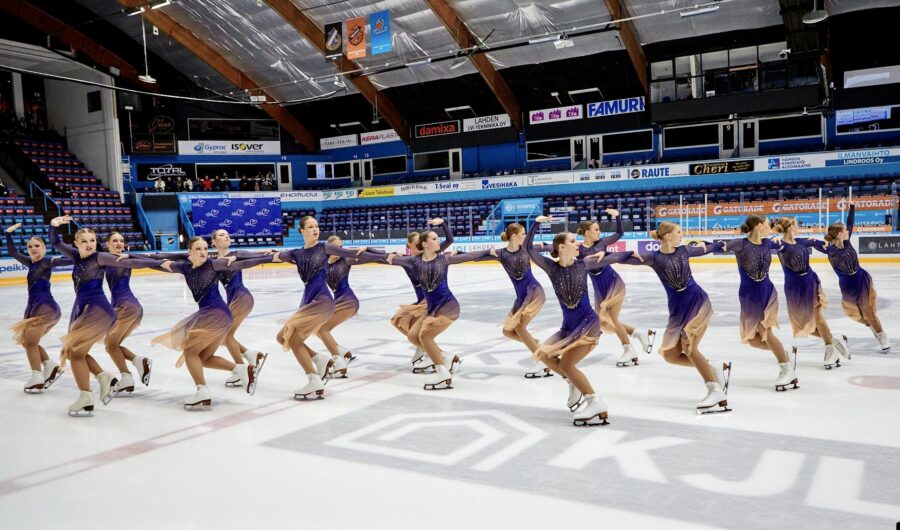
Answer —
437 129
380 31
334 142
715 168
252 216
616 106
334 41
356 38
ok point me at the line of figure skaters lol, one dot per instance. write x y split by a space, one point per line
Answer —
328 301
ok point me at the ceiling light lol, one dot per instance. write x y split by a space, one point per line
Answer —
700 9
458 62
147 78
583 91
135 11
164 3
539 40
338 82
816 15
418 62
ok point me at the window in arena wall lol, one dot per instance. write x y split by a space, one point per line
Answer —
790 127
548 149
868 120
432 160
691 136
629 142
389 165
343 170
319 170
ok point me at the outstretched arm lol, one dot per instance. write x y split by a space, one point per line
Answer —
817 244
639 259
224 264
474 255
592 264
369 257
173 256
734 245
14 252
703 248
541 260
448 235
850 219
111 260
401 261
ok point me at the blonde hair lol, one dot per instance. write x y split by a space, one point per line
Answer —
783 224
752 222
584 226
511 230
332 238
664 228
410 237
83 231
39 240
832 236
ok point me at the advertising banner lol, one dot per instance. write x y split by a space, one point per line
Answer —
334 142
616 106
254 217
481 123
548 179
380 191
380 31
554 115
437 129
787 207
715 168
378 137
356 38
225 147
521 206
498 183
879 245
863 157
151 172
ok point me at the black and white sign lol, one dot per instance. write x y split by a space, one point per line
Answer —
334 142
378 137
879 245
151 172
481 123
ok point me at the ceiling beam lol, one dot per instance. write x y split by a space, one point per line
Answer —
219 63
316 35
629 37
46 23
466 39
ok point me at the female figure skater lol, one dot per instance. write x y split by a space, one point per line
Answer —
529 294
346 305
240 302
759 301
407 314
317 305
92 314
804 294
858 296
689 312
580 327
41 311
128 317
202 333
431 267
609 291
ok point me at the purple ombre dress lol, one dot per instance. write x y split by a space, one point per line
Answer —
41 311
858 295
609 289
689 307
337 276
92 315
129 311
317 305
757 295
408 314
581 325
530 296
802 288
208 326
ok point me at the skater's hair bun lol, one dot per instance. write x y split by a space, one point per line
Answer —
194 240
752 222
511 230
410 237
783 224
664 228
423 237
83 231
303 220
834 231
584 226
111 234
558 240
332 238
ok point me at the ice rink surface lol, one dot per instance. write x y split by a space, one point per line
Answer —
497 451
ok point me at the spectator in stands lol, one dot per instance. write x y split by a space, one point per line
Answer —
256 186
206 184
223 184
179 184
244 183
256 182
187 184
159 185
593 164
268 182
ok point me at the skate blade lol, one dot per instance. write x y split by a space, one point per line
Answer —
589 423
349 358
340 374
54 375
86 412
36 389
260 362
108 397
318 394
625 364
442 385
651 338
424 369
715 409
726 370
206 404
234 385
128 391
538 375
147 365
836 364
784 388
